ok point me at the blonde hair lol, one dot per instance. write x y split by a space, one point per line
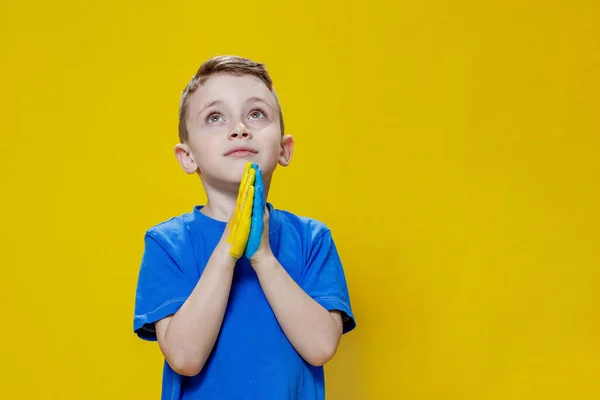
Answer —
228 64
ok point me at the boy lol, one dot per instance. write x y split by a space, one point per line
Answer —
231 329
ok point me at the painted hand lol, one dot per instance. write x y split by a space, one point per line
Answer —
258 212
247 223
241 220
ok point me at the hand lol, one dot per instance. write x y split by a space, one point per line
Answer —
264 250
240 224
249 225
258 212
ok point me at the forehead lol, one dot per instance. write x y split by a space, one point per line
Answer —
231 89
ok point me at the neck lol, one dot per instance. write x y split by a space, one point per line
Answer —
219 205
221 202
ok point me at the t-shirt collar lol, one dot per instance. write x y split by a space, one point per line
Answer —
213 225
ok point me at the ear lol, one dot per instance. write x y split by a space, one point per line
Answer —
286 150
186 158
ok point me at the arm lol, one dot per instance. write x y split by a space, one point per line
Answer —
313 331
187 337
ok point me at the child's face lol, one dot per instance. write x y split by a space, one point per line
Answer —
233 120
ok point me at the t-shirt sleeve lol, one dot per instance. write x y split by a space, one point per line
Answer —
162 286
324 279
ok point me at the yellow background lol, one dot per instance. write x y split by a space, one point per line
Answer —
451 146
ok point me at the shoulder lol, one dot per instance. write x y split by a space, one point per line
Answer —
171 232
310 229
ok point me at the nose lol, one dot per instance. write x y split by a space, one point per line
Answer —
240 131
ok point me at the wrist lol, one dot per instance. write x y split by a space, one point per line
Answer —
223 255
262 260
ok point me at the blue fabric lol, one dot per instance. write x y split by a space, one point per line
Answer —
252 358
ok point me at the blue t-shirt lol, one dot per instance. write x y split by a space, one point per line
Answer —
252 358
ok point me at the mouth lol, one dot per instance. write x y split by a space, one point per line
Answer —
240 152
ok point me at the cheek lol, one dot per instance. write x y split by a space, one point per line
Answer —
271 156
201 150
273 148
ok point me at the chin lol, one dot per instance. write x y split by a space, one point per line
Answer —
233 173
237 165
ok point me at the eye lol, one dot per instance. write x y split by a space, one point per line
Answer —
257 114
214 117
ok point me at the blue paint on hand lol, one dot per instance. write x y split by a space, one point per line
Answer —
258 211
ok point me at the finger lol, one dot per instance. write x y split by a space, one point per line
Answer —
243 186
243 182
258 212
233 220
240 199
259 183
257 224
240 237
243 229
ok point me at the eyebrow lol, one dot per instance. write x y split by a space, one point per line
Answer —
249 100
209 105
260 100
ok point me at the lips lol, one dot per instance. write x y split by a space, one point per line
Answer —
240 151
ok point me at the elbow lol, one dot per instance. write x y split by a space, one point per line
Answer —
186 366
319 356
178 356
324 350
187 370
